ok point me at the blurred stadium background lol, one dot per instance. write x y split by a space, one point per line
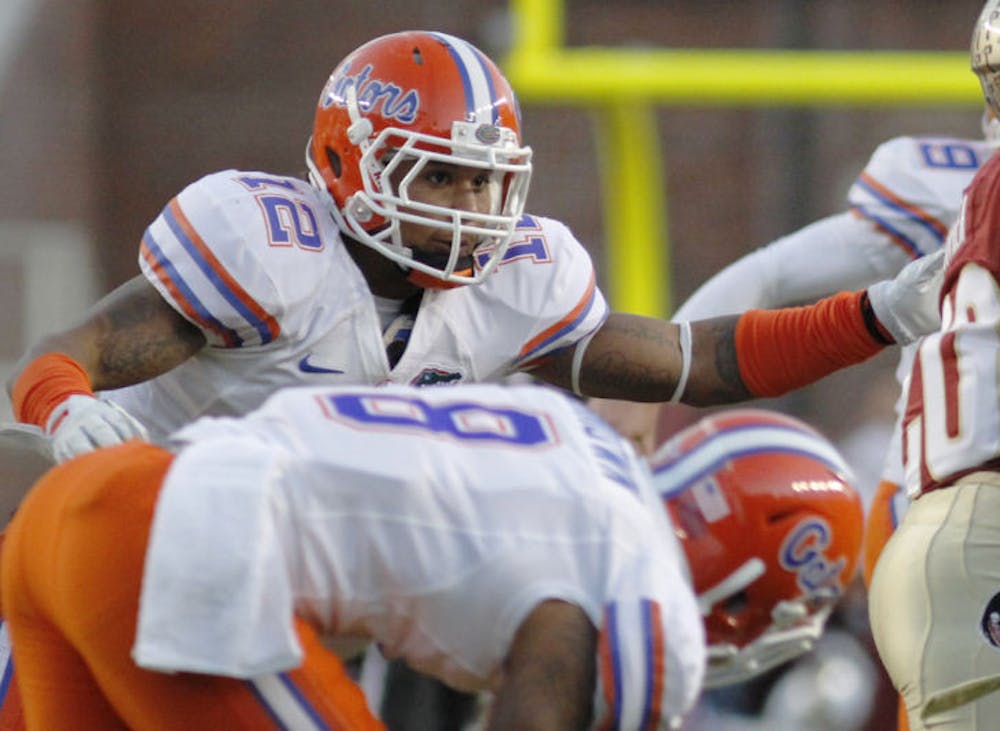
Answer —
110 107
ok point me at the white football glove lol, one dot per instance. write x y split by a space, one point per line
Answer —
907 306
83 423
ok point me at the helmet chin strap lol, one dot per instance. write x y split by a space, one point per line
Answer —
417 277
428 281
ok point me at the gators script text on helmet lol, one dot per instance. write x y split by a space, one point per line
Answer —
419 98
985 53
771 526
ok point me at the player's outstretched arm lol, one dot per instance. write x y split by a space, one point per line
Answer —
836 253
129 336
839 252
761 353
549 673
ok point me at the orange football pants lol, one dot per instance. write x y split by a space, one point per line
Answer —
879 528
71 573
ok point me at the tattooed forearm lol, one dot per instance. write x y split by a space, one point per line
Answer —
632 357
718 378
144 354
612 374
131 335
639 359
140 337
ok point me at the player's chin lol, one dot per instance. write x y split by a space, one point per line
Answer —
439 259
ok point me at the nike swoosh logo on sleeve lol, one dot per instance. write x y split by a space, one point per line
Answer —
306 367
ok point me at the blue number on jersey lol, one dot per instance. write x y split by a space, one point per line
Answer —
256 182
953 155
531 247
462 420
289 221
285 224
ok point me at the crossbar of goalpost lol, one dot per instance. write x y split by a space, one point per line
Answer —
626 85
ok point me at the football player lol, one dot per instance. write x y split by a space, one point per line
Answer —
407 257
933 600
513 543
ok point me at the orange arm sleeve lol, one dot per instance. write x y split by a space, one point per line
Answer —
47 381
781 350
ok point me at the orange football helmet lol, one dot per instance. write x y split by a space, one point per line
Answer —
771 525
418 98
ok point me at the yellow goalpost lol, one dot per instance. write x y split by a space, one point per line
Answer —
625 86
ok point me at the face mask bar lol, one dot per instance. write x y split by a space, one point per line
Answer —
796 626
733 584
494 230
728 664
991 127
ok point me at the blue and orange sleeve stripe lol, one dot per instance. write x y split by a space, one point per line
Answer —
656 671
537 346
631 665
262 321
937 228
192 307
609 669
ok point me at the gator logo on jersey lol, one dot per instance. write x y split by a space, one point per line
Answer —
374 95
989 623
434 377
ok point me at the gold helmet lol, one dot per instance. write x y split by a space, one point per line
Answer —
985 53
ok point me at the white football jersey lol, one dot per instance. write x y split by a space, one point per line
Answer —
430 520
257 263
912 187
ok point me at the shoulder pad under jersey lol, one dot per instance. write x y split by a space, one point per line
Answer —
548 277
235 250
912 187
